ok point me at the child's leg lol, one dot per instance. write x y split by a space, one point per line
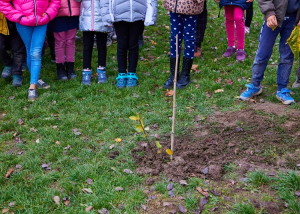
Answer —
26 34
201 27
70 45
133 56
51 43
286 55
189 35
177 27
240 26
267 40
36 46
18 51
122 30
60 44
102 48
249 15
229 14
5 58
88 43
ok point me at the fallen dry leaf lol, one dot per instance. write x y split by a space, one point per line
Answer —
194 67
119 189
169 93
20 121
33 129
153 43
9 172
89 181
89 208
203 202
118 140
5 210
206 194
182 209
56 199
66 201
219 90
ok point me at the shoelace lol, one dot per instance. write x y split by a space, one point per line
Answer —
31 93
41 82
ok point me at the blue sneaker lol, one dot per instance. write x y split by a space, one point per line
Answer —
6 73
250 92
284 96
102 78
131 80
86 77
17 80
121 80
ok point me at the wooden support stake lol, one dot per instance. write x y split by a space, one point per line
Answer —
174 99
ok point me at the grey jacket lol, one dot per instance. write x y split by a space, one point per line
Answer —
91 16
274 7
131 11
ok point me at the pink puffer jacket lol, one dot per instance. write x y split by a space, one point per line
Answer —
30 12
69 8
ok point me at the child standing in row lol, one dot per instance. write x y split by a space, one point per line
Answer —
12 66
65 27
31 20
234 14
91 23
129 18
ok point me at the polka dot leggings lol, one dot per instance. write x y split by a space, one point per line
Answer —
184 26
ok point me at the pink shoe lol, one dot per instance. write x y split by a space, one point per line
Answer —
240 55
229 52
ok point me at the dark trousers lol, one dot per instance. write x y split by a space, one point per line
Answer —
201 27
88 43
127 38
249 15
267 39
51 43
18 51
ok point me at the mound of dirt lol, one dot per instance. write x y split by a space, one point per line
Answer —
241 137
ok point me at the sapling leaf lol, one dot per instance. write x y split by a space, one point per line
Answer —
133 118
169 152
139 128
158 145
137 116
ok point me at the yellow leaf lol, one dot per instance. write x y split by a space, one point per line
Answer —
118 140
294 41
169 151
158 145
159 151
138 116
219 90
273 28
153 43
139 128
133 118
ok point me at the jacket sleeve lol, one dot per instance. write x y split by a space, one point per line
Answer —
52 9
9 12
106 11
151 13
267 7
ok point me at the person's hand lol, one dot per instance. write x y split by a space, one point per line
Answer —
249 1
43 14
272 22
298 23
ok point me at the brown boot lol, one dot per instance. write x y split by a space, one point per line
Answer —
198 52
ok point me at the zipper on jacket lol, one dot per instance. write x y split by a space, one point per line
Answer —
93 14
36 18
131 11
176 6
69 4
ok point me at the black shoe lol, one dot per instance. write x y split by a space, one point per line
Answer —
61 73
170 81
32 94
185 77
141 41
70 70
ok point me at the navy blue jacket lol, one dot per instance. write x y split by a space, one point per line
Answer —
241 3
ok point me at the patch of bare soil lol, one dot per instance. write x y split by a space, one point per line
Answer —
247 137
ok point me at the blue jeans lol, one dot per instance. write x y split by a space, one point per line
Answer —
184 26
33 38
267 40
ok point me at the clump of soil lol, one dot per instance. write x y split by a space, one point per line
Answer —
242 137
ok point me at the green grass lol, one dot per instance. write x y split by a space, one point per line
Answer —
100 113
258 178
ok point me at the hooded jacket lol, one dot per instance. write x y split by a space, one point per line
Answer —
241 3
3 25
69 8
91 16
277 8
132 11
187 7
30 12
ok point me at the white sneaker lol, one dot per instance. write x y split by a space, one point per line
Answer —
247 30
